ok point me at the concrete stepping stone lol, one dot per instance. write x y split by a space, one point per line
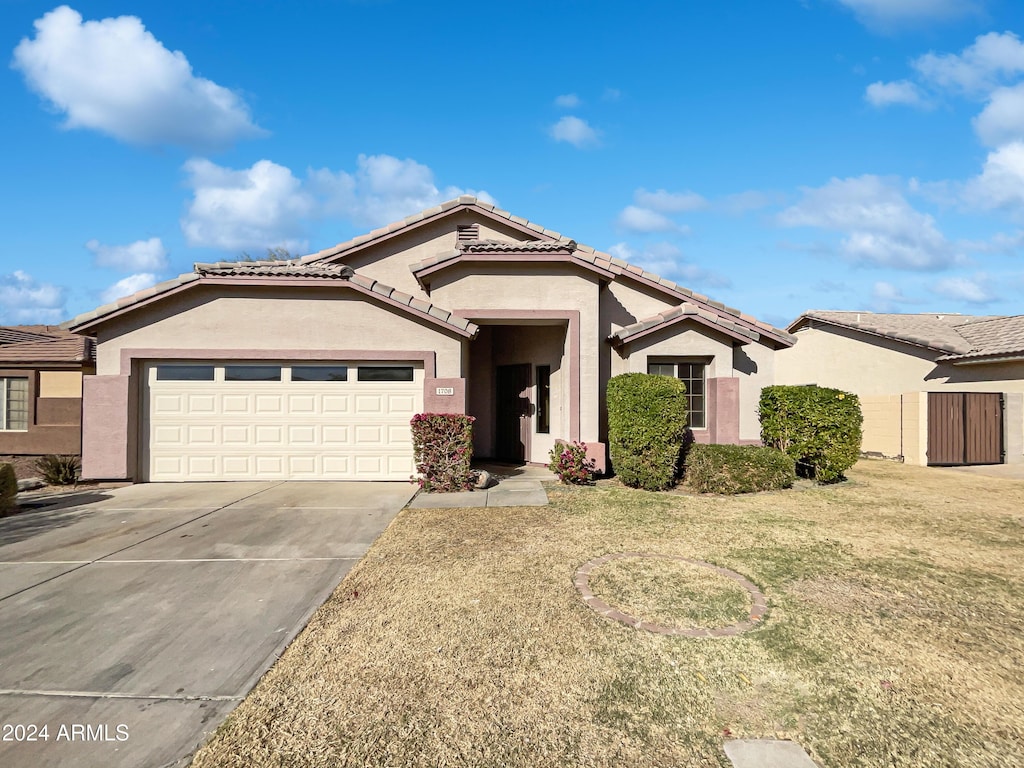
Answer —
767 753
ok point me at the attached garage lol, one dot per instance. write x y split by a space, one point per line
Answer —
214 420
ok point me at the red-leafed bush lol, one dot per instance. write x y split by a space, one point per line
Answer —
569 461
443 449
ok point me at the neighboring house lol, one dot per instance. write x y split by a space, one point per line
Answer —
312 368
934 389
41 370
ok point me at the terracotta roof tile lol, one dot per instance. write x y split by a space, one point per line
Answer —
675 313
521 246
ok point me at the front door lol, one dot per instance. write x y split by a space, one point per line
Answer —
512 412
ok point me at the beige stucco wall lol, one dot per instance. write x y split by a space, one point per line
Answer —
624 302
883 428
550 287
60 384
275 319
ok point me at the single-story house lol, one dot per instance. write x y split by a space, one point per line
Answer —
312 368
940 389
41 370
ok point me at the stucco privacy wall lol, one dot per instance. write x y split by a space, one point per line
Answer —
389 261
551 287
883 425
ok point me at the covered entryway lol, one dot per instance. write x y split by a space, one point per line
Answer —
965 428
279 421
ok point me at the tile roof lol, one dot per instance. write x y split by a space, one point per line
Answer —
994 336
292 268
282 269
584 252
957 336
31 344
684 311
524 246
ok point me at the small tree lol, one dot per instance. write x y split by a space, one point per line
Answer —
820 428
646 428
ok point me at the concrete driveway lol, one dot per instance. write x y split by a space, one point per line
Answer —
132 624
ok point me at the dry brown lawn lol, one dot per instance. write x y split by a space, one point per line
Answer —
894 636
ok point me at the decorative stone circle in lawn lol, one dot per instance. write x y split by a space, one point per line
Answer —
724 590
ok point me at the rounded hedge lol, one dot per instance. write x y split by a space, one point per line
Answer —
820 428
646 428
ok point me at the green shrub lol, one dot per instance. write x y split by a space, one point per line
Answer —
59 470
8 488
731 469
443 449
819 428
569 461
646 428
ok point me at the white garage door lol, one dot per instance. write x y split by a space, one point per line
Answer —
280 421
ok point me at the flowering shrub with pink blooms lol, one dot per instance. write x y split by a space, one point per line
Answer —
443 449
569 461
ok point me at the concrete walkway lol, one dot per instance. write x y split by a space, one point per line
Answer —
518 486
767 753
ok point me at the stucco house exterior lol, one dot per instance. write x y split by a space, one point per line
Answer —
941 389
312 368
41 372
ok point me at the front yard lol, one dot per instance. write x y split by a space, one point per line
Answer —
894 635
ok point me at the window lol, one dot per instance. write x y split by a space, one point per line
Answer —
543 399
385 373
184 373
14 404
252 373
692 375
319 373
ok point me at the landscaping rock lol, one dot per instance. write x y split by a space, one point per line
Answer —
484 479
30 484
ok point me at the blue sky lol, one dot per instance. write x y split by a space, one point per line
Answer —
779 156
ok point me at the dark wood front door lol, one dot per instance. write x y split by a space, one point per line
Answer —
512 409
965 428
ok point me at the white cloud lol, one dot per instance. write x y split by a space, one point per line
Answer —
750 200
979 68
128 286
611 94
25 300
670 202
114 76
258 207
568 101
887 297
976 290
887 14
1002 119
667 260
575 131
636 219
1001 182
899 92
142 254
267 206
879 225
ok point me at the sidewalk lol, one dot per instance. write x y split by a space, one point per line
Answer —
517 486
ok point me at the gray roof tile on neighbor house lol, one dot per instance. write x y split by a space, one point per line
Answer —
63 349
940 332
993 336
16 334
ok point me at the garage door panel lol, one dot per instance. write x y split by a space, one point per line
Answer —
235 430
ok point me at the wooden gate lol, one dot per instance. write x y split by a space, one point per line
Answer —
965 428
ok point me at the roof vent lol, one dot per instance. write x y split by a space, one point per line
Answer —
466 233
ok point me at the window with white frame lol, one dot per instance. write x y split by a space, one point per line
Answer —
14 403
692 374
